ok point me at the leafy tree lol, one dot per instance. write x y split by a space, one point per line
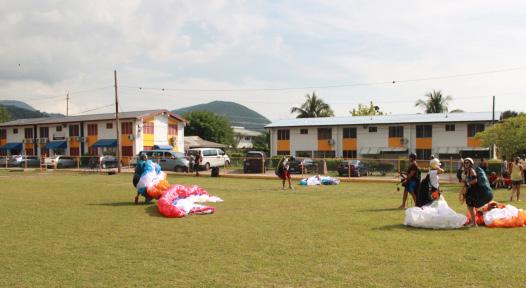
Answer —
4 115
509 113
435 102
262 142
209 126
364 110
507 135
313 107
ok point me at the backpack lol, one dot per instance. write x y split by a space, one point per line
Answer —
423 197
482 180
279 170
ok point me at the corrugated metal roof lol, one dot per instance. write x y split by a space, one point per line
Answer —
245 132
387 119
86 118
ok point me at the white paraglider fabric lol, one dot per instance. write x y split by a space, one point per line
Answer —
507 212
437 215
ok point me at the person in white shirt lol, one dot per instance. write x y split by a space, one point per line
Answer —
434 181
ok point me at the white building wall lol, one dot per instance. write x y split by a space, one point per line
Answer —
367 139
443 138
15 138
138 145
180 137
299 142
160 136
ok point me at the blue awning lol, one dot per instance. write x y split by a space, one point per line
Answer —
162 147
105 143
11 146
57 145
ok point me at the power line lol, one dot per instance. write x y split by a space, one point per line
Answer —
97 108
330 86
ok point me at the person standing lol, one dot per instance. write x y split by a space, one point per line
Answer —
473 193
460 169
197 162
412 180
285 174
504 167
517 175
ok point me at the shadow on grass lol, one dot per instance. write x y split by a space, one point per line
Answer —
381 210
119 204
153 211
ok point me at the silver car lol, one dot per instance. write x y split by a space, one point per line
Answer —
60 161
168 160
24 161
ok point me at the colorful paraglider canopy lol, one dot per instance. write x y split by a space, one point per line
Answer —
57 145
162 147
105 143
11 146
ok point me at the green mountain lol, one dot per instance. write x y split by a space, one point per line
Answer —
15 112
238 115
17 103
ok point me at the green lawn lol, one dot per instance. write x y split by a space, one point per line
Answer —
65 229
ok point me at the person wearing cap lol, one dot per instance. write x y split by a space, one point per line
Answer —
411 181
517 175
285 174
139 169
434 183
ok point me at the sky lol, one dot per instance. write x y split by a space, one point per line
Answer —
266 55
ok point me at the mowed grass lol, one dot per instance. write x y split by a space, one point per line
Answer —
66 229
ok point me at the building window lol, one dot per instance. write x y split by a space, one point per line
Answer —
424 131
3 134
28 133
58 128
284 153
148 128
74 151
373 129
304 131
15 130
73 130
349 154
396 131
304 154
324 154
283 135
126 128
93 150
450 127
44 132
109 125
324 133
92 130
29 151
172 129
127 151
473 129
423 154
349 133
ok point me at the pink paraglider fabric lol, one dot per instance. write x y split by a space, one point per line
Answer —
179 201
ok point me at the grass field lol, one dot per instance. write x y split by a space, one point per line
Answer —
83 230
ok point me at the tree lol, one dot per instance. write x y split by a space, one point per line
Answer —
364 110
509 113
4 115
209 126
313 107
435 102
508 136
262 142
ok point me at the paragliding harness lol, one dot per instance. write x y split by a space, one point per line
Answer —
279 170
482 180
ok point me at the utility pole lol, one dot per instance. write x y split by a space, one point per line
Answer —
67 104
118 124
493 147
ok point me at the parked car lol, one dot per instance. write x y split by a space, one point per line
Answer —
168 160
212 157
303 166
23 161
60 161
356 167
105 161
255 162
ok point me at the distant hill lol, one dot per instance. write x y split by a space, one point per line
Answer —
238 114
15 112
18 104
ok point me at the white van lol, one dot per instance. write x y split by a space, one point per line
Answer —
212 157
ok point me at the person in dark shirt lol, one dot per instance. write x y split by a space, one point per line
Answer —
139 169
411 181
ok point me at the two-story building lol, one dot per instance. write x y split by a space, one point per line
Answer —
385 136
93 134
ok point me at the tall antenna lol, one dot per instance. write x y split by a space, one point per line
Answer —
67 104
118 124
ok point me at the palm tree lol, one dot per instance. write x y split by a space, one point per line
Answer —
313 107
435 102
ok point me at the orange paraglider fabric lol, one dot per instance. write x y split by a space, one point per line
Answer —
156 191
